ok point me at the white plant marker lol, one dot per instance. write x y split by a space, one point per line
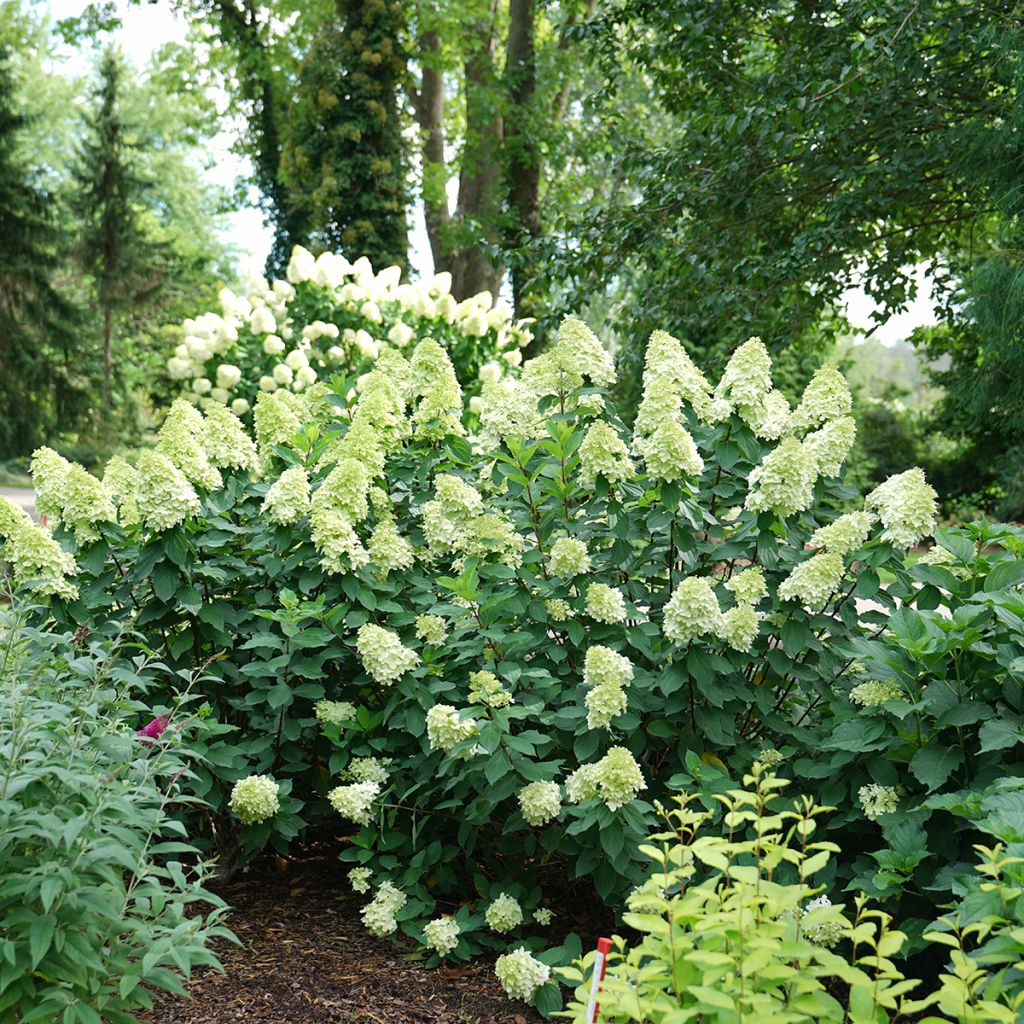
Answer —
604 947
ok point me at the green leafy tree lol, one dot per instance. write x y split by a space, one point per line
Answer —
796 147
115 248
37 321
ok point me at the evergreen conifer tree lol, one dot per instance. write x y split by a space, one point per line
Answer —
115 249
37 323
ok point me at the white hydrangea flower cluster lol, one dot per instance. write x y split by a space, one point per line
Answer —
873 694
647 898
540 802
606 674
824 933
543 916
262 340
844 535
575 356
769 758
907 505
379 914
37 561
692 611
569 557
558 610
72 495
503 913
359 879
255 799
287 501
521 974
660 435
446 729
813 581
605 604
485 688
383 654
616 779
368 769
441 934
454 522
877 800
603 453
334 712
355 801
431 629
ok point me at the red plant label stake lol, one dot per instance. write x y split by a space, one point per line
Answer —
604 947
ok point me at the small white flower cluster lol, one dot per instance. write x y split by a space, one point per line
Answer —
877 800
431 629
36 559
521 974
873 694
485 688
823 933
503 913
254 799
606 674
359 879
334 712
379 914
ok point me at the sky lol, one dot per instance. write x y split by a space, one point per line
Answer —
146 26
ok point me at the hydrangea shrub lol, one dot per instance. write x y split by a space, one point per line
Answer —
485 644
332 317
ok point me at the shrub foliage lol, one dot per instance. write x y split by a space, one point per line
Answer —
485 642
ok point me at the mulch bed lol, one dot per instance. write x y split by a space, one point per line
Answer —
305 958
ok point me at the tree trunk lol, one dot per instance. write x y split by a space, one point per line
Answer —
429 105
108 330
523 156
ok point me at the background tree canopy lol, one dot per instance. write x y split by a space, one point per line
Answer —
724 169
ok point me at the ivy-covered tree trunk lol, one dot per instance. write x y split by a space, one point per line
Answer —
344 162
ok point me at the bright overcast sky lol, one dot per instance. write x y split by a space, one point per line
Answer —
146 26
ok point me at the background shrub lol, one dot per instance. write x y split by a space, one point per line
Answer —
334 317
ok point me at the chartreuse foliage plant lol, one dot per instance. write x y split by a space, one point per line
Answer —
735 927
484 644
334 317
102 904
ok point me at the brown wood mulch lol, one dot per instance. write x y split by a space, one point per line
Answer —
306 958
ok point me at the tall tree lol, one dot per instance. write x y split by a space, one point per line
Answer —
345 160
37 322
115 248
